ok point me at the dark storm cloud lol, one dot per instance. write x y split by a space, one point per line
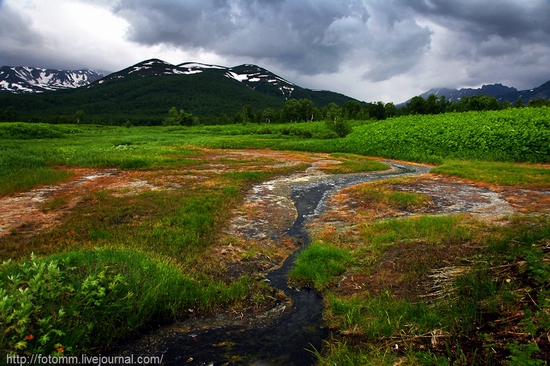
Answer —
288 32
494 40
310 37
526 20
401 46
495 27
17 39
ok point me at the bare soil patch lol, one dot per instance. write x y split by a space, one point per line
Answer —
256 241
346 209
43 208
404 269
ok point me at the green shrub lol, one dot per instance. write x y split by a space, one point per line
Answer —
521 135
60 304
26 131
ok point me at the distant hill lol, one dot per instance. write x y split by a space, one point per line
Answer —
499 91
541 92
144 93
25 80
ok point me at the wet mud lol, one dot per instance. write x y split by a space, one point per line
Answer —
295 328
311 200
280 215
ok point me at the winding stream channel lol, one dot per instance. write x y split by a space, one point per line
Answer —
288 338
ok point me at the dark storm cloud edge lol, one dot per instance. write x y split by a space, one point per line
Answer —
466 43
314 37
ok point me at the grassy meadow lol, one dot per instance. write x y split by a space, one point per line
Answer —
117 263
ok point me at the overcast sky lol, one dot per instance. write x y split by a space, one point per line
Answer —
388 50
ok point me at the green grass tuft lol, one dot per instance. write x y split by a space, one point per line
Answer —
318 263
497 173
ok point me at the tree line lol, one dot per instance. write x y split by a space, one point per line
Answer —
304 110
294 110
435 105
8 115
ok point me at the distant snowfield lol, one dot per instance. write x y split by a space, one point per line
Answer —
24 79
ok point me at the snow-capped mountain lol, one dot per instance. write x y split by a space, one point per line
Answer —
145 92
25 80
454 95
254 77
500 92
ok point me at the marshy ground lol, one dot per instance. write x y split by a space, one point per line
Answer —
254 240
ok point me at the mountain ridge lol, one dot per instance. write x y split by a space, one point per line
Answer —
143 93
250 75
26 79
501 92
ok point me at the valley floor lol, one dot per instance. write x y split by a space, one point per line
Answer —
396 257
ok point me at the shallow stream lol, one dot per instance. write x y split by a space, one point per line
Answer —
289 338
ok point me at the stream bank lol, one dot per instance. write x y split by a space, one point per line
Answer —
290 332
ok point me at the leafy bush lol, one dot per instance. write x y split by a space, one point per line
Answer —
335 121
59 304
27 131
521 135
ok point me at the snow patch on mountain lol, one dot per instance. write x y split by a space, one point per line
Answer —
235 76
24 79
35 80
254 77
198 65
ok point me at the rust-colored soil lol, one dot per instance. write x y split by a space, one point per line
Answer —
42 208
255 240
346 209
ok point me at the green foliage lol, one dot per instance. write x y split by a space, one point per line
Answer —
21 167
335 122
17 180
522 354
298 111
503 286
537 103
430 229
182 225
318 263
435 105
403 200
382 316
344 353
145 100
352 109
506 135
497 173
79 117
245 115
9 115
25 295
316 130
510 135
179 118
27 131
60 304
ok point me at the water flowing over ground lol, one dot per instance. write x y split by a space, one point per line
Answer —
290 338
279 214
